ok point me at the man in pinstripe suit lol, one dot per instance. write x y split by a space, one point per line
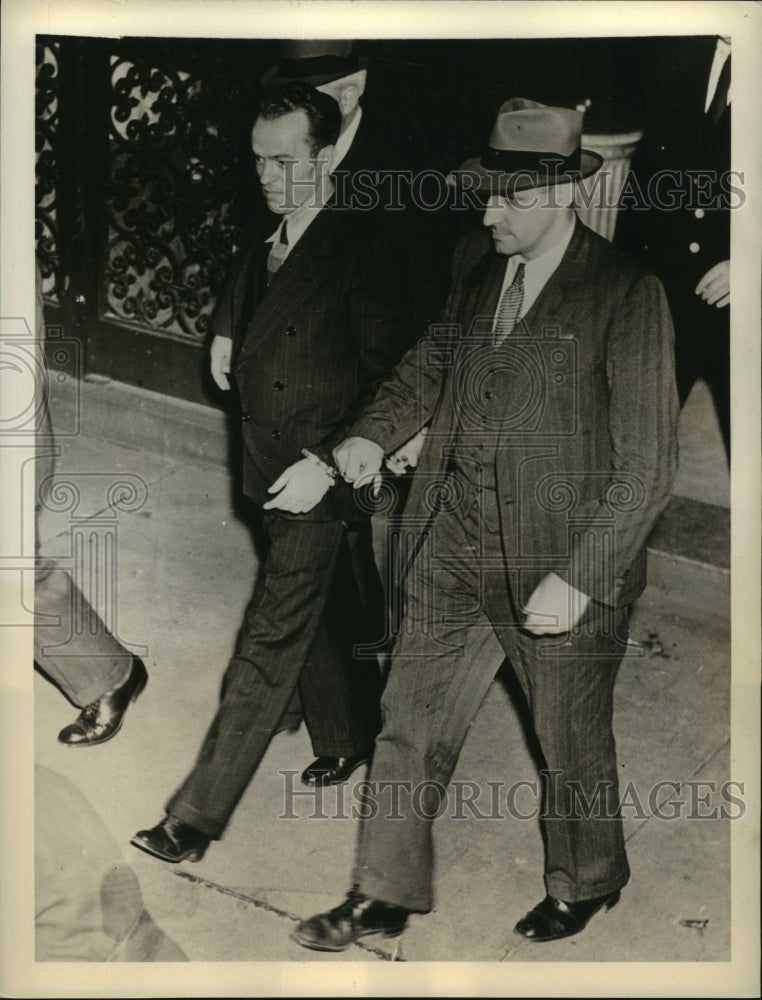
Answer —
310 323
550 397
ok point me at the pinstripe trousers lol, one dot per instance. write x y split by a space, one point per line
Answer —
299 631
459 626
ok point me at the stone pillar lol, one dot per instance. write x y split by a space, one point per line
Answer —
614 134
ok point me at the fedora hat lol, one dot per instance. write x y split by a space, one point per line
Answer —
531 145
315 62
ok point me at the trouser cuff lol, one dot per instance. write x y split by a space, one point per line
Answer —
187 814
561 888
112 677
395 893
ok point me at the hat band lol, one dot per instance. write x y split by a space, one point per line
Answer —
514 160
318 66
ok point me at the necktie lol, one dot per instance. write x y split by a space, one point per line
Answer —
720 100
277 253
509 307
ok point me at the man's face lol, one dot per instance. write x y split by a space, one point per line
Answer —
346 91
284 161
526 222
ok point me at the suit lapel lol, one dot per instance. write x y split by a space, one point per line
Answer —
305 268
482 293
564 290
558 299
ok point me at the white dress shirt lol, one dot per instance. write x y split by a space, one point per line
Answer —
297 223
537 271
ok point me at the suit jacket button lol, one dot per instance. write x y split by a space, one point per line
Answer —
246 417
699 213
694 248
275 435
278 386
291 331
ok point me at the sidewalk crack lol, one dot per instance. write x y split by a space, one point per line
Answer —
277 911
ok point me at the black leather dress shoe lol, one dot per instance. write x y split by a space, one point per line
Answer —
356 917
102 719
172 840
332 770
553 918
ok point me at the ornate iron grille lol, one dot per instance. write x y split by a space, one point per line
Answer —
174 213
47 119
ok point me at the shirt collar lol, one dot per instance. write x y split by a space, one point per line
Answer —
538 270
296 224
543 266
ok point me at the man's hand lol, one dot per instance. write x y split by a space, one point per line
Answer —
714 287
220 352
554 607
359 460
407 455
300 488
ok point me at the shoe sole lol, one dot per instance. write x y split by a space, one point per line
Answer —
315 946
188 856
559 937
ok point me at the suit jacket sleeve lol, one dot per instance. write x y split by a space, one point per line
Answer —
225 320
407 402
379 328
643 411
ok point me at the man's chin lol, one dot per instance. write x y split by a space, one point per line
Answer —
504 244
275 203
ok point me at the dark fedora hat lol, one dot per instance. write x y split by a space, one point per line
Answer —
315 62
531 145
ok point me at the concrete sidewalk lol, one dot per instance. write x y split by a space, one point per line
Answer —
185 571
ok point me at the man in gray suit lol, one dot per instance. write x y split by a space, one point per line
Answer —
310 323
549 394
72 644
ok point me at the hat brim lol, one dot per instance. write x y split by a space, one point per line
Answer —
274 78
503 182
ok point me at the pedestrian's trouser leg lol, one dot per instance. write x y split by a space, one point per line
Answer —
443 663
569 685
278 631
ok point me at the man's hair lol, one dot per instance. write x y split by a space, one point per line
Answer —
323 115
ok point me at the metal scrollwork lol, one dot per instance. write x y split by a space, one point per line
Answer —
172 221
46 149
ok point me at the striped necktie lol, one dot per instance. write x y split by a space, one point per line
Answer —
510 306
277 253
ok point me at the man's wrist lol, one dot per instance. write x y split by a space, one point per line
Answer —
323 466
